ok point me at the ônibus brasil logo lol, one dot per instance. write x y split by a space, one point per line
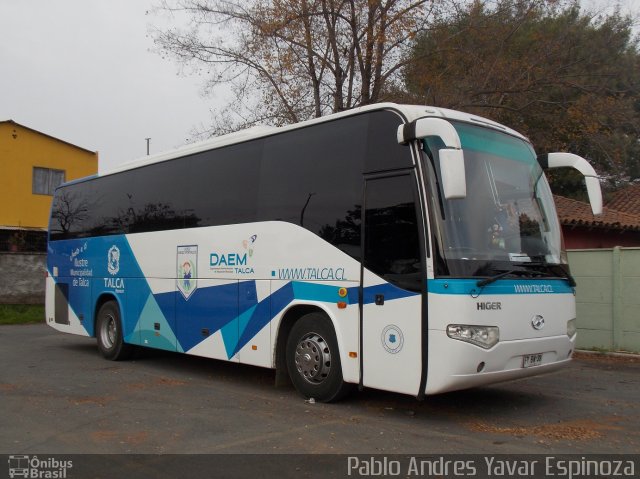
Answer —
34 467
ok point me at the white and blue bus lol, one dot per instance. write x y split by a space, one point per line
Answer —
404 248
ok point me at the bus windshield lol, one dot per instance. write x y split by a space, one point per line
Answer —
507 220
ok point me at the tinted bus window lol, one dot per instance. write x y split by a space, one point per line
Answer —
313 178
222 185
310 177
71 211
383 151
392 242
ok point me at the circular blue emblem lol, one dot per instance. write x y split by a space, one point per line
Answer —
392 339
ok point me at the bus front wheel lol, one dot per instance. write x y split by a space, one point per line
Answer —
109 333
313 359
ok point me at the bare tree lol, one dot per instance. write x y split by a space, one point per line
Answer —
290 60
69 210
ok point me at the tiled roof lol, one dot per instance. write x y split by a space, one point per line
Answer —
578 213
627 200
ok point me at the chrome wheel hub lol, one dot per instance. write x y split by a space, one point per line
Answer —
313 358
108 332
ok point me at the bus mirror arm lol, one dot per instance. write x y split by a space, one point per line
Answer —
569 160
452 169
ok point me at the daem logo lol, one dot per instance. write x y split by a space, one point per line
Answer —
228 259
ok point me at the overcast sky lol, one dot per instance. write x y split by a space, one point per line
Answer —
84 71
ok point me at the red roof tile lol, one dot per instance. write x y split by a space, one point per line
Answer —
578 213
626 200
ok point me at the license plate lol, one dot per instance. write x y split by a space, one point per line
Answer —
531 360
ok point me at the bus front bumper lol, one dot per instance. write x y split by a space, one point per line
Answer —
455 364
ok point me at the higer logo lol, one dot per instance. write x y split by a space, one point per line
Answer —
489 306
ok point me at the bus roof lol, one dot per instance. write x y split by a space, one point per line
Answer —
410 112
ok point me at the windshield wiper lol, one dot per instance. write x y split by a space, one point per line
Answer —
483 282
518 272
566 275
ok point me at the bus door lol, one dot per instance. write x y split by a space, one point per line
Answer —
392 284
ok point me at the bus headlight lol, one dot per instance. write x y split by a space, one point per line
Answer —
571 327
484 336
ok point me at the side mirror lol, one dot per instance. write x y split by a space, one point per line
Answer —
452 170
569 160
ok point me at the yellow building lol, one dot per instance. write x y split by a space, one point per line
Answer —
32 165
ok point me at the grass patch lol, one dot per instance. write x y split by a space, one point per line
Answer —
21 313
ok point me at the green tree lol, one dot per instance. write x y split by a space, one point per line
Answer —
568 79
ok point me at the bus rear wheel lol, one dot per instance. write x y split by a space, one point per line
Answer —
313 359
109 333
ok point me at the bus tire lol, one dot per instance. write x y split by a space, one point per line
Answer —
109 333
313 359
